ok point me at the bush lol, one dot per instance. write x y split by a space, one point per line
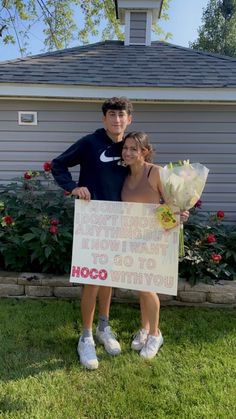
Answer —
36 224
36 231
210 249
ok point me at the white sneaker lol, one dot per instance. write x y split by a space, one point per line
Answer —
108 339
139 340
87 353
152 346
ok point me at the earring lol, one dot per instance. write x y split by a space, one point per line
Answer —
122 163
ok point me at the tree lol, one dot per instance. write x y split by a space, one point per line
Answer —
59 21
218 32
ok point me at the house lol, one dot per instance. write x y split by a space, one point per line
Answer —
184 99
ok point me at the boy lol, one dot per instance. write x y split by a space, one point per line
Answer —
101 178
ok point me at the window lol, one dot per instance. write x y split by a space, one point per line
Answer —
27 118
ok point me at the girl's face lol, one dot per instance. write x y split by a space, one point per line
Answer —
132 152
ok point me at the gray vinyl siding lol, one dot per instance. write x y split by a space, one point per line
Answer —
138 22
201 133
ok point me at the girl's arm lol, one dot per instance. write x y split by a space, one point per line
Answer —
155 179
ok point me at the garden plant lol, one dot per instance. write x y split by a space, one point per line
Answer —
36 230
210 248
36 224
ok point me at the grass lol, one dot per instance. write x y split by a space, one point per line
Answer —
193 376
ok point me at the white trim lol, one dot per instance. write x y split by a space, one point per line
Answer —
127 27
134 93
32 113
148 28
134 5
137 4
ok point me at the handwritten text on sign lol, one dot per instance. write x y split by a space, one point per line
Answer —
119 244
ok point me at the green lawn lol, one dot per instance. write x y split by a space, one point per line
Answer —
194 375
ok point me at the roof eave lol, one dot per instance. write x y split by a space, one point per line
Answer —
143 94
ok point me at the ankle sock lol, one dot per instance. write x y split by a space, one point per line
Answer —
87 333
102 323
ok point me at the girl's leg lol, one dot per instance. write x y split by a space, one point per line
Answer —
144 315
150 310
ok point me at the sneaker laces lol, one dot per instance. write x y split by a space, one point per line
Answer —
109 333
89 348
151 342
140 335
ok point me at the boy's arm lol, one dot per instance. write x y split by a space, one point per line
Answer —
70 158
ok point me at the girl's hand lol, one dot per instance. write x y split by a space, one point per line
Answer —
184 215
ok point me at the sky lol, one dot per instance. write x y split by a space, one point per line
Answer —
184 21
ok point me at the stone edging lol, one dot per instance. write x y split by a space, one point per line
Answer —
33 285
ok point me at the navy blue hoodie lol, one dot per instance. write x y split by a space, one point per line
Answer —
100 169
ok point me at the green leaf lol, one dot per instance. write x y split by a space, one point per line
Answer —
60 25
48 251
28 237
43 237
217 34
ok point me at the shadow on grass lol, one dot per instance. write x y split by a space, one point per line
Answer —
37 336
8 406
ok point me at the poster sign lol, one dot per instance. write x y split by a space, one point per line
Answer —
120 244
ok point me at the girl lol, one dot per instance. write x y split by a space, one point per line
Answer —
143 185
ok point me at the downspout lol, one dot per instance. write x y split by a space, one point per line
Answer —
162 1
116 7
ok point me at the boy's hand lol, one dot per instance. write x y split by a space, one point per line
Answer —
82 192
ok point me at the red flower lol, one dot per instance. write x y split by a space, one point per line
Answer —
198 204
66 193
27 175
53 230
211 238
7 220
47 166
216 257
220 214
54 222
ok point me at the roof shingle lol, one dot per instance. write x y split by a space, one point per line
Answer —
110 63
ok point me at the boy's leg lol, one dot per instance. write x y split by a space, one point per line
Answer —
104 333
86 346
88 304
104 301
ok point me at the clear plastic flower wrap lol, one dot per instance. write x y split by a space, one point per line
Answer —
183 184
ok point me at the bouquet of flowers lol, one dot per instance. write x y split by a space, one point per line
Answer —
183 184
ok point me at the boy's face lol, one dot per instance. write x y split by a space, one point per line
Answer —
116 121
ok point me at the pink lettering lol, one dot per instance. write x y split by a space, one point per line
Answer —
92 273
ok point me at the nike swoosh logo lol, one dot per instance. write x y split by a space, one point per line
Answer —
106 159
